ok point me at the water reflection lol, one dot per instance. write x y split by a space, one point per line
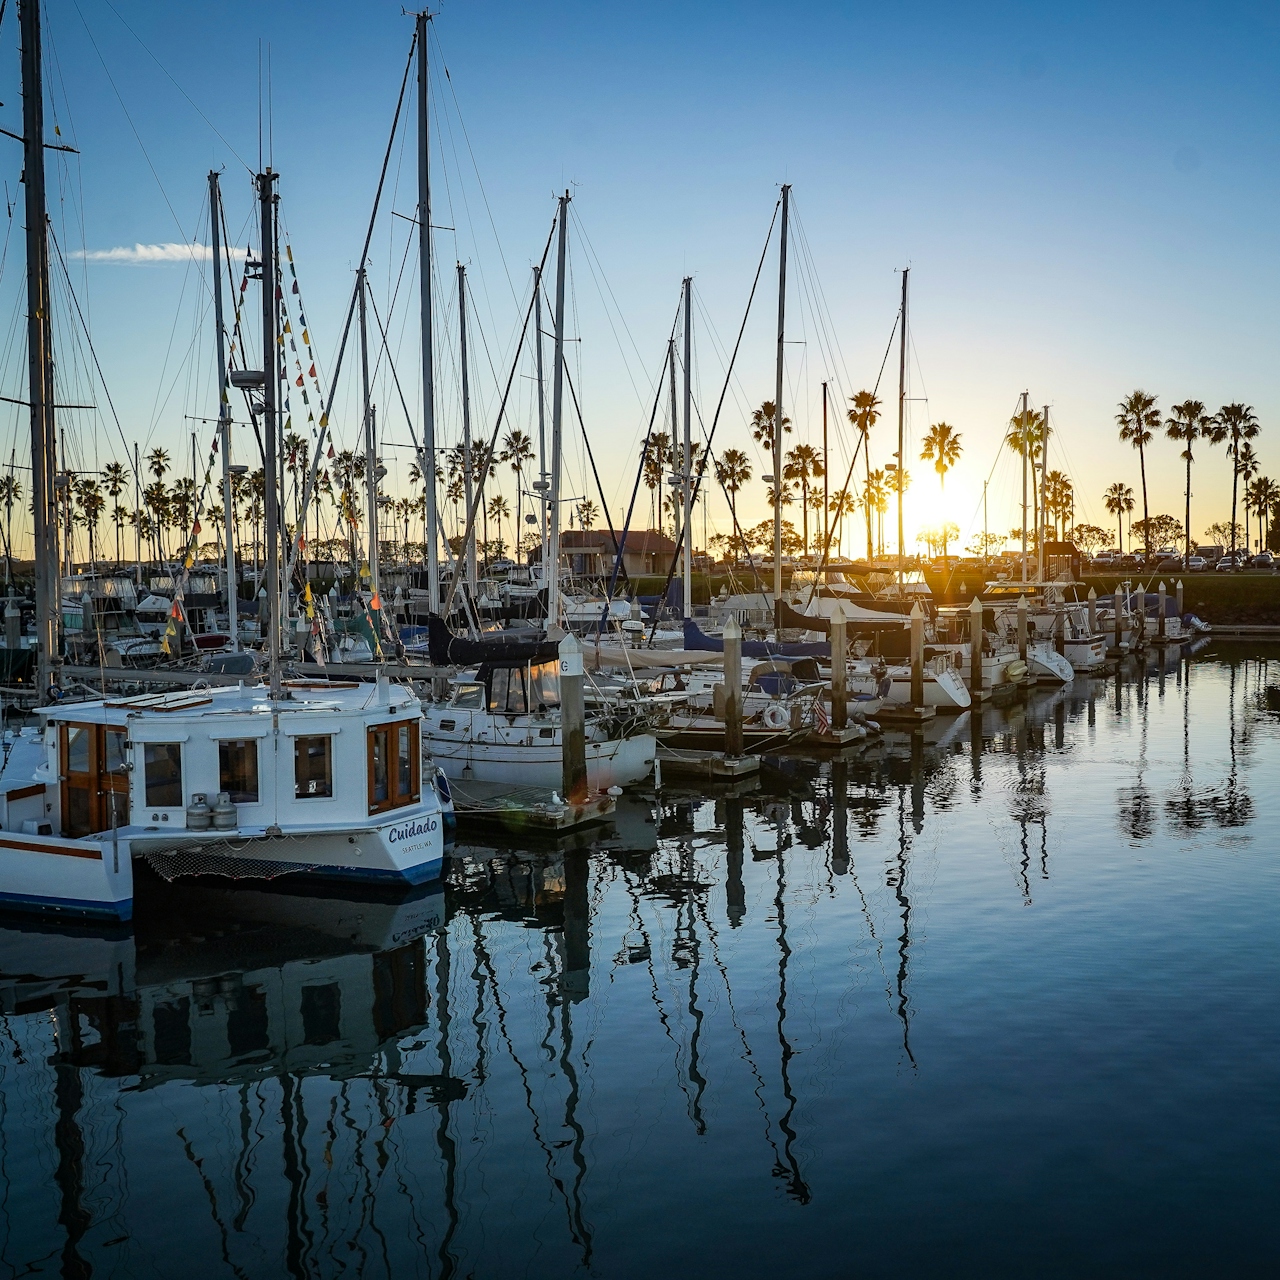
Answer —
529 1066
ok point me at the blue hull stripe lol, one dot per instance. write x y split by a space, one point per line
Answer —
121 910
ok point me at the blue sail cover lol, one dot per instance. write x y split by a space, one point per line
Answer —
694 639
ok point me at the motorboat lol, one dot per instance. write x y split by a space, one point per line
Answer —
100 622
328 779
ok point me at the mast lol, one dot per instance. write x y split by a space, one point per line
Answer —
39 351
826 492
1025 427
551 568
1044 490
224 410
542 418
686 470
468 469
424 297
777 406
675 427
902 419
370 444
269 616
137 508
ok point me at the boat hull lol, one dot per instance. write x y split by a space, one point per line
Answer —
619 762
72 878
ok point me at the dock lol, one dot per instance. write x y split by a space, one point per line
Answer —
712 766
898 714
526 810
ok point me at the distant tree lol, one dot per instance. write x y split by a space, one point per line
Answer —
942 447
1189 422
115 480
1247 468
864 415
1236 423
1090 538
803 464
733 470
762 426
1138 419
1157 531
1118 500
1265 496
985 544
1025 437
1222 534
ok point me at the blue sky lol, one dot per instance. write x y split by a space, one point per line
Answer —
1087 198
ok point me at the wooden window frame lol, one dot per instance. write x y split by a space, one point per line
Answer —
100 784
395 798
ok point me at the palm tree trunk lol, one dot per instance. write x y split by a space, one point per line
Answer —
866 493
1187 557
1146 518
1235 480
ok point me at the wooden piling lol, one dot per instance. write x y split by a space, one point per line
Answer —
1161 595
1140 625
917 656
839 672
1179 598
975 647
573 724
1022 628
1093 611
732 636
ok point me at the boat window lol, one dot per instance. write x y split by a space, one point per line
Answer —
394 772
544 685
506 693
313 767
469 697
163 768
78 748
238 769
116 758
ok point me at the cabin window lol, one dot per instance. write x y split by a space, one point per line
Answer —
78 748
544 685
506 691
238 769
394 772
468 697
163 768
313 767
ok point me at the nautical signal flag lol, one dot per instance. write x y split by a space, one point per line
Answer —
195 528
311 373
298 381
376 601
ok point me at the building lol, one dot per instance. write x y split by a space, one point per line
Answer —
591 552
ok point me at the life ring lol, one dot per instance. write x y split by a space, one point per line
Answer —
774 716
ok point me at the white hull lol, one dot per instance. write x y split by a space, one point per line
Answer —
944 691
1046 663
619 762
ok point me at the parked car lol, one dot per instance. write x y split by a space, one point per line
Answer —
1169 564
1264 560
1211 551
1105 558
1229 563
1130 561
1197 564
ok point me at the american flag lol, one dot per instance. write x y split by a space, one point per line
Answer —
821 721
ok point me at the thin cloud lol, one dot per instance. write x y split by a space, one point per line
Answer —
146 254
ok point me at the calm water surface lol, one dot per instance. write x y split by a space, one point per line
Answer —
1002 1000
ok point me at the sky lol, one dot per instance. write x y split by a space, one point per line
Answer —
1086 197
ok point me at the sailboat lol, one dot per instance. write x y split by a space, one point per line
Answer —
501 722
290 776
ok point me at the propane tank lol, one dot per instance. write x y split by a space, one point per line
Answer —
199 815
225 817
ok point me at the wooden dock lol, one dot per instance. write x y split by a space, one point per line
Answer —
524 810
713 766
898 714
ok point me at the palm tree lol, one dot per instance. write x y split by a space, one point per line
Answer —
1118 500
942 447
158 463
89 498
1188 422
500 510
843 504
1025 437
156 497
1265 494
517 449
802 465
588 513
10 492
1139 419
762 425
116 480
657 458
1059 497
864 415
1236 424
1246 468
875 497
733 470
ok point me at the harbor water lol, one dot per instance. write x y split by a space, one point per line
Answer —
999 999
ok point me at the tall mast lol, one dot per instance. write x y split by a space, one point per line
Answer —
777 408
1025 427
468 469
902 421
224 410
1044 491
686 471
552 567
424 295
675 427
269 613
370 444
542 416
39 351
137 508
826 492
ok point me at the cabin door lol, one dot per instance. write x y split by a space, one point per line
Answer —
95 783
